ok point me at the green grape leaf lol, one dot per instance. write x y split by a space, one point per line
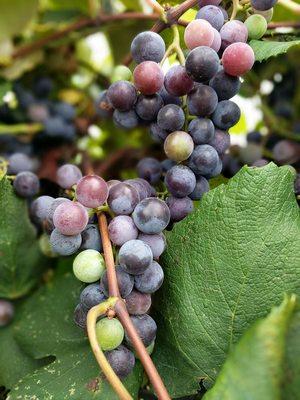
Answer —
21 261
15 16
225 266
260 352
264 49
45 328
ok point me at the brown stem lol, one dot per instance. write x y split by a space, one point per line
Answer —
284 24
78 25
175 13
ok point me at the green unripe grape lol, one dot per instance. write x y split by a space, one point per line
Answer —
110 333
88 266
267 14
178 146
121 73
45 246
256 25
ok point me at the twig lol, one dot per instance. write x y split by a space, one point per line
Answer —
78 25
284 24
20 129
291 5
176 12
235 8
155 6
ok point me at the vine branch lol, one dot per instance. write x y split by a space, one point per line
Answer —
291 5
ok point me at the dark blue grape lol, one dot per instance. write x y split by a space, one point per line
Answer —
226 114
122 95
254 137
202 186
179 208
167 164
40 207
125 119
202 130
151 280
151 216
202 64
263 5
43 86
213 15
203 160
146 328
169 98
19 162
26 184
125 282
202 101
171 118
122 198
149 169
64 110
180 181
158 135
55 127
147 107
226 86
135 257
138 303
121 360
148 46
221 141
157 243
92 295
216 171
64 245
91 238
142 186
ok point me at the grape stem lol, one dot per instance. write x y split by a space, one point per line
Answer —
156 6
20 129
235 8
93 314
291 5
174 47
122 313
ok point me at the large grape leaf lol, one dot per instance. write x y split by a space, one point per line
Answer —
21 262
225 266
46 328
259 358
264 49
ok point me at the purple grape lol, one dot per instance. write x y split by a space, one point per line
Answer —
112 183
121 360
224 12
180 181
202 130
213 15
221 141
157 243
254 137
125 119
138 303
203 3
171 118
202 101
216 44
226 115
125 282
122 198
148 46
151 216
151 280
226 86
92 191
121 229
203 160
260 163
55 203
232 32
122 95
147 107
135 257
92 295
142 186
149 169
64 245
202 64
167 164
26 184
202 186
68 175
70 218
158 135
80 316
169 98
91 238
6 312
179 208
103 107
177 81
148 77
40 208
215 171
286 152
146 328
297 185
198 33
20 162
263 5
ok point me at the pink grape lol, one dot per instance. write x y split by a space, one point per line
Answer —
216 44
68 175
198 33
148 77
177 81
232 32
238 58
92 191
70 218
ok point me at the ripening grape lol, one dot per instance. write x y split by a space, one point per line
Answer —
135 257
157 243
286 152
138 303
55 203
151 216
151 280
216 44
6 312
263 5
226 86
110 333
237 59
149 169
26 184
179 208
91 238
147 107
148 46
40 207
202 63
202 101
121 360
70 218
148 77
122 95
221 141
171 118
88 266
19 162
64 245
198 33
226 114
177 81
146 328
232 32
256 25
202 130
143 187
213 15
68 175
121 229
178 146
180 181
92 295
202 186
203 161
122 198
125 282
91 191
125 119
267 14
